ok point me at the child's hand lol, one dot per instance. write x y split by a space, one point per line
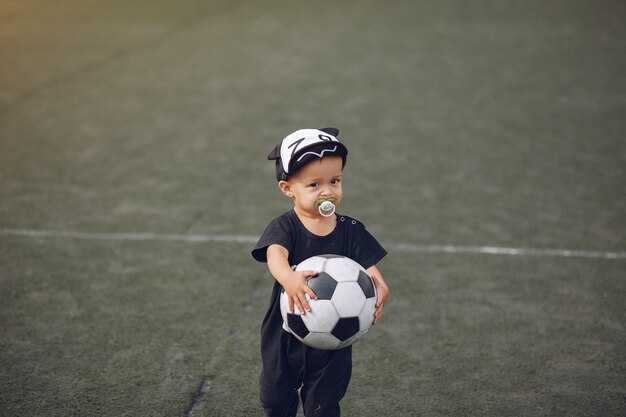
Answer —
294 282
383 294
381 289
296 288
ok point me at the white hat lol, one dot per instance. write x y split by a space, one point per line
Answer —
303 146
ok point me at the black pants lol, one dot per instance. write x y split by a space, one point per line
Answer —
322 376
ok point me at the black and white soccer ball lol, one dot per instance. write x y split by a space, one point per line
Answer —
345 305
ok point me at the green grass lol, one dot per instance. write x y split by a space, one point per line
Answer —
468 124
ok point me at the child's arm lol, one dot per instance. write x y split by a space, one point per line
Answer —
293 282
381 288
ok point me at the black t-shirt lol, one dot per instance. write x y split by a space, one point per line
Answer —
349 238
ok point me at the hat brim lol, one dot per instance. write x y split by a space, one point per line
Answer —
317 151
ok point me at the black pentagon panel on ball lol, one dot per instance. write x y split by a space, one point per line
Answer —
329 256
296 324
366 284
323 285
346 328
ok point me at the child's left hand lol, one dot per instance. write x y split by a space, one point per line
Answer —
381 289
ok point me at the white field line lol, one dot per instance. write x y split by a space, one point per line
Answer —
394 246
130 236
492 250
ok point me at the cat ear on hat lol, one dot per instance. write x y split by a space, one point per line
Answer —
333 131
275 154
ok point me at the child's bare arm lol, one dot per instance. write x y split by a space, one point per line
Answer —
293 282
381 288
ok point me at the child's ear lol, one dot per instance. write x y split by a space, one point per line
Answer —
285 187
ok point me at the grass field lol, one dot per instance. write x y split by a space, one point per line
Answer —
133 181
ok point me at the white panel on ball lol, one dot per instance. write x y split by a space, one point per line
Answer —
348 299
366 317
315 263
322 317
342 269
284 308
322 341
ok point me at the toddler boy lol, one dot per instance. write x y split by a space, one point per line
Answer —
309 166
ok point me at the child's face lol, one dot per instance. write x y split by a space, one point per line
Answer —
318 179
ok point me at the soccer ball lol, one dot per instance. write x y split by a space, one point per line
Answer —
345 305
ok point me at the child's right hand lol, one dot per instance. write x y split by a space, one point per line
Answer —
294 282
297 289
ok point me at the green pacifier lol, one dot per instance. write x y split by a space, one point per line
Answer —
326 206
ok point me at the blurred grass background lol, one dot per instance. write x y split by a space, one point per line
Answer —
482 123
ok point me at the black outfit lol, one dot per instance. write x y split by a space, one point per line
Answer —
288 365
